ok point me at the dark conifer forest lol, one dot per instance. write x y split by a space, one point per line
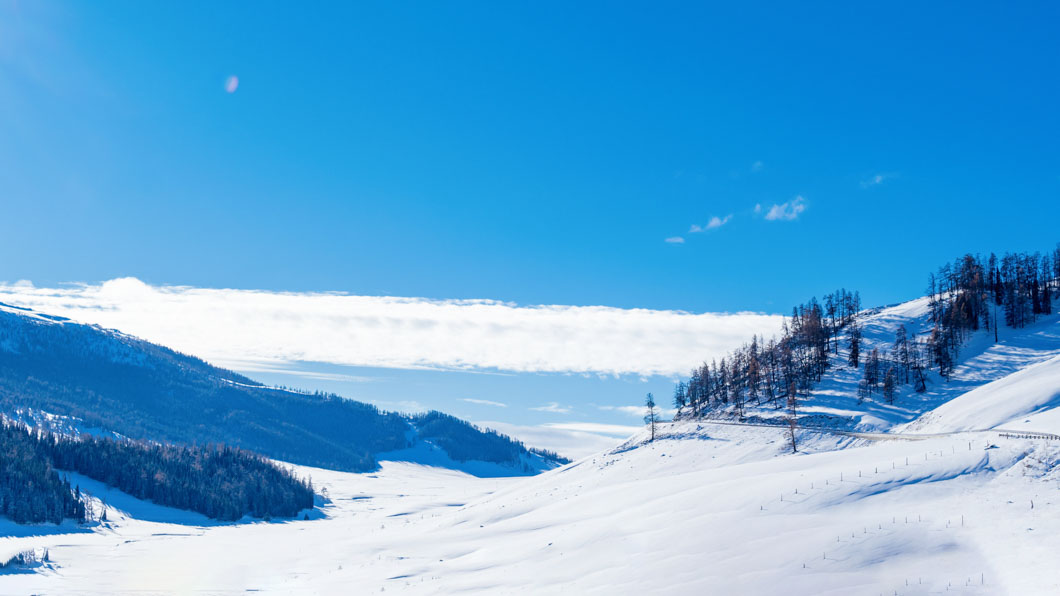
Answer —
220 482
965 296
30 488
463 441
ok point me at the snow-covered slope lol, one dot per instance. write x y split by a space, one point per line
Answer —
706 509
1025 400
942 497
835 400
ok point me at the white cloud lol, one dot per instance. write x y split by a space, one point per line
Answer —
785 211
631 410
640 411
484 402
757 166
280 368
717 222
758 207
231 84
553 407
618 430
405 406
714 223
249 328
876 180
675 240
574 440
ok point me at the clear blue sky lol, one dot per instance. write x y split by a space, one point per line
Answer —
539 153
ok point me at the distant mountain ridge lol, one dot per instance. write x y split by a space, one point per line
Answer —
123 385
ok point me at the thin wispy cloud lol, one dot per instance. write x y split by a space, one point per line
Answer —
279 368
552 407
231 84
639 411
876 180
787 211
484 402
675 240
757 166
714 223
596 427
250 329
571 439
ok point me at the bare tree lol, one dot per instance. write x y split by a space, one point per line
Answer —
793 402
889 382
855 344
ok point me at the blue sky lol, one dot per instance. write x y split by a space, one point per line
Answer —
538 153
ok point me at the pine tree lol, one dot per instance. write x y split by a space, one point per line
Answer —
651 417
680 395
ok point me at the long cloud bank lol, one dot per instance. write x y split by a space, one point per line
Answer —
245 328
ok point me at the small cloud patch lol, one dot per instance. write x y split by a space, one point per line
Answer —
714 223
876 180
553 407
788 211
639 411
484 402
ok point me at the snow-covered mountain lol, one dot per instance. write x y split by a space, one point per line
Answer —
71 378
953 490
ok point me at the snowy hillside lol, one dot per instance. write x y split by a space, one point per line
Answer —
953 490
707 508
1024 401
835 401
70 377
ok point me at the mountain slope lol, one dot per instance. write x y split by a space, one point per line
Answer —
705 509
137 389
835 400
1025 400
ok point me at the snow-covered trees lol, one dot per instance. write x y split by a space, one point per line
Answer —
220 482
30 488
854 357
680 395
463 441
774 370
963 297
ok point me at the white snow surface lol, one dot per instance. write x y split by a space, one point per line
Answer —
705 509
940 497
1023 401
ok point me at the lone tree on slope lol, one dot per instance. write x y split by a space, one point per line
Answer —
652 416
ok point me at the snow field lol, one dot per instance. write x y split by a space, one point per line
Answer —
706 509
